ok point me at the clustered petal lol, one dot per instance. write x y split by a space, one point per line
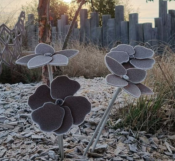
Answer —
55 109
46 55
128 66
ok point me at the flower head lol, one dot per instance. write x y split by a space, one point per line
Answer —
126 65
45 54
55 109
139 57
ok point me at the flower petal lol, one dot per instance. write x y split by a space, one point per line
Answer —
62 87
67 122
116 81
49 117
136 75
126 48
145 90
114 66
143 64
69 53
79 107
119 56
59 60
132 90
25 59
142 52
41 95
38 61
42 48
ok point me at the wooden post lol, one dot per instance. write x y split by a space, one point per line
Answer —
87 31
154 36
83 18
172 13
44 32
124 32
168 27
147 32
119 17
133 21
159 26
163 15
64 22
111 32
30 31
94 23
140 33
105 19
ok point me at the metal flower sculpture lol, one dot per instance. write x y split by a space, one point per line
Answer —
46 55
55 109
128 66
138 57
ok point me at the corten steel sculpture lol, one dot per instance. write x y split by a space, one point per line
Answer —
11 42
59 97
128 66
55 109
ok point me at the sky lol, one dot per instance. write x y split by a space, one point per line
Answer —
147 11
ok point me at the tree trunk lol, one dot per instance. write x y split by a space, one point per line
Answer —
72 25
44 31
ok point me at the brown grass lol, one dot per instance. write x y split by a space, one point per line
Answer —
88 63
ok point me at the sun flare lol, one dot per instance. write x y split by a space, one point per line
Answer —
68 1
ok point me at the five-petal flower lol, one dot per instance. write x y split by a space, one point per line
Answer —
45 54
55 109
126 65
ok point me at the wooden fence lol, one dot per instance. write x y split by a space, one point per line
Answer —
113 30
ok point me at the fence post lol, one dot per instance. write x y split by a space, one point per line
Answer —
133 21
124 28
30 32
154 36
87 31
105 19
159 26
140 33
64 22
119 17
83 17
168 27
54 33
147 32
111 32
94 23
172 13
163 15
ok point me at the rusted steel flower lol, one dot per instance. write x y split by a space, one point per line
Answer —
55 109
138 57
46 55
124 68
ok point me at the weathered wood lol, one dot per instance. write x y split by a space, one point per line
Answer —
76 35
133 21
59 27
111 32
159 26
168 27
64 22
147 32
99 36
87 31
172 13
124 38
119 17
94 23
83 17
140 33
105 19
163 15
154 36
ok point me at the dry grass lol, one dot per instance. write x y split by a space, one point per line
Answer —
88 63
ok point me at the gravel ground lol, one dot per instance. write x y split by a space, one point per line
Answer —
21 140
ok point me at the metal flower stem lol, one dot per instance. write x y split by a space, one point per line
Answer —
60 137
102 122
